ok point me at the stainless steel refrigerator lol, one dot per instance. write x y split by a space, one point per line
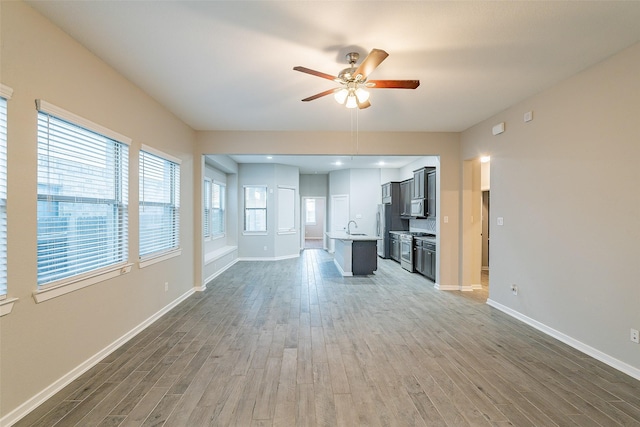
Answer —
388 219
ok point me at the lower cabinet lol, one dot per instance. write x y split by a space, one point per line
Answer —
424 259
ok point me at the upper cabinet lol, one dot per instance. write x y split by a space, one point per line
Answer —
424 189
420 182
431 193
390 193
406 190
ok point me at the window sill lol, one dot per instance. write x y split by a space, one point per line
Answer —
47 293
286 232
6 305
159 258
255 233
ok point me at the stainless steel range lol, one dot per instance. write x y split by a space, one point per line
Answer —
406 252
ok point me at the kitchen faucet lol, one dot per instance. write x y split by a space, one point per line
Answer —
349 225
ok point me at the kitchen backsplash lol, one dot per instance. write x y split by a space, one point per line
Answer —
426 225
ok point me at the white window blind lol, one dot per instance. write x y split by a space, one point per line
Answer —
206 202
218 208
3 197
159 204
82 197
255 208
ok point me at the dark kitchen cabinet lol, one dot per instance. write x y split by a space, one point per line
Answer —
395 247
431 194
425 258
424 188
420 184
406 191
390 192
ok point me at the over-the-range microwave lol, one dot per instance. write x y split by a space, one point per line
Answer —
418 208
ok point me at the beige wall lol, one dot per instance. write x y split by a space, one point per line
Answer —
40 343
568 187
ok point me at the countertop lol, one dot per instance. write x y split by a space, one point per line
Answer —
341 235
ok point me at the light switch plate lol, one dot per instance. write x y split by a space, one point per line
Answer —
500 220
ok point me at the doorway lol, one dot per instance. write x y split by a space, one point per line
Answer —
314 213
484 274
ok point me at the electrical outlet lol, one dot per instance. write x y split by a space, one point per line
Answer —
514 289
635 336
166 286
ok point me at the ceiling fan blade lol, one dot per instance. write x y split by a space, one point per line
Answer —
394 84
315 73
363 105
375 57
320 95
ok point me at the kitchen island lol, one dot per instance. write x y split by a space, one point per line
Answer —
355 254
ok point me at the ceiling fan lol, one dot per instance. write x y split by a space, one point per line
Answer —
353 81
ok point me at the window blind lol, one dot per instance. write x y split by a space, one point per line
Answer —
82 211
159 205
3 196
206 202
218 207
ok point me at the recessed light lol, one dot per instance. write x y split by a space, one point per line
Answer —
485 159
381 163
338 163
269 157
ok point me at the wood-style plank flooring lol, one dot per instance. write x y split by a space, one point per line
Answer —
292 343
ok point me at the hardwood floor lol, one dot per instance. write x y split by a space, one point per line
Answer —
293 343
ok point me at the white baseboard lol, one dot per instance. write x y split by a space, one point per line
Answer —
580 346
203 287
31 404
277 258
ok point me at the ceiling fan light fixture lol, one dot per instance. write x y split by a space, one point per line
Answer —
341 95
362 95
352 102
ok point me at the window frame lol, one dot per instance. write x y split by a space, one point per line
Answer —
174 204
6 303
53 289
207 195
306 211
223 209
265 209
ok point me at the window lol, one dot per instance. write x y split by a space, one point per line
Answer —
310 211
206 202
218 206
159 203
82 211
255 208
5 93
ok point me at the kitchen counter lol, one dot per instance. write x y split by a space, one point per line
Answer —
341 235
355 255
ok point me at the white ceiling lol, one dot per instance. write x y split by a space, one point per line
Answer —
227 65
326 164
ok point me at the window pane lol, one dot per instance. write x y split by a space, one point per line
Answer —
255 208
310 211
159 205
82 200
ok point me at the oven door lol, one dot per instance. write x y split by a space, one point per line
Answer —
406 253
